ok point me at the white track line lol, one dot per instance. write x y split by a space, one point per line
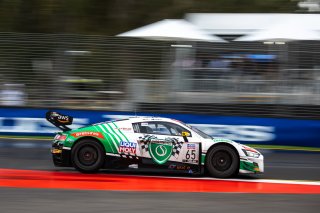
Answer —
300 182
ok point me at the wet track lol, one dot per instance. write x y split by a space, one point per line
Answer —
18 156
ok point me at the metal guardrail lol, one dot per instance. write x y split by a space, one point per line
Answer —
111 73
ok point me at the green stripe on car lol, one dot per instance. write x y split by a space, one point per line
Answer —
114 132
120 131
111 138
111 147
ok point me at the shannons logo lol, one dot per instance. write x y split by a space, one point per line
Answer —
245 133
80 134
86 134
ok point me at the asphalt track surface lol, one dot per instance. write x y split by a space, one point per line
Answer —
19 156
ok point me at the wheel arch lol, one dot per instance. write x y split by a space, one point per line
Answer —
91 138
219 144
99 160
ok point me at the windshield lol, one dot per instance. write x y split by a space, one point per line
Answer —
198 131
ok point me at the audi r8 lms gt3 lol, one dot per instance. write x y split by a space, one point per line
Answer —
152 142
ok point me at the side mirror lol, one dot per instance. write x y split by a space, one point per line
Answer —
185 134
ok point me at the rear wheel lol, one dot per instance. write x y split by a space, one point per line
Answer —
87 156
222 162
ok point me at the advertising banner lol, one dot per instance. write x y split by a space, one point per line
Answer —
247 130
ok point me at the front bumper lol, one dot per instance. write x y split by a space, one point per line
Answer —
251 164
61 156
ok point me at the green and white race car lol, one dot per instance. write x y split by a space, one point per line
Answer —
149 142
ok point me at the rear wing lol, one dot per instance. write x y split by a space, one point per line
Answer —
59 120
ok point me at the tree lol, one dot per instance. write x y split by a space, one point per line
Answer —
110 17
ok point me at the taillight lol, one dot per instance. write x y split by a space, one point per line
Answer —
60 137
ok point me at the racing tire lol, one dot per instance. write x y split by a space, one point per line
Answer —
87 156
222 161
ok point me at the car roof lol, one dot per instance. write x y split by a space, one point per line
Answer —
149 118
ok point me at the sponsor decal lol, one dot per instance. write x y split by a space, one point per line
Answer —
81 134
144 124
191 146
63 119
128 147
160 151
179 167
217 140
183 167
191 155
190 161
123 129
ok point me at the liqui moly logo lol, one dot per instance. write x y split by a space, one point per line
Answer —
128 147
81 134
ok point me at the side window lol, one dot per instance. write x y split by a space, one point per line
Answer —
135 128
176 130
142 128
151 128
159 128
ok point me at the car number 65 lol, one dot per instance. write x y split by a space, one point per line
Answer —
191 154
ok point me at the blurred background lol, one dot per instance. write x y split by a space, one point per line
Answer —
231 58
68 54
246 70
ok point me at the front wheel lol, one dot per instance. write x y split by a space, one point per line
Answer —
87 156
222 162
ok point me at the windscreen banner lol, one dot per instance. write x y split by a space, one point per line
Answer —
247 130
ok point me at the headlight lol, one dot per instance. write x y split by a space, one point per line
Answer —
251 154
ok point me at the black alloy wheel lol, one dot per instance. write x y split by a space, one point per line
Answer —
87 156
222 161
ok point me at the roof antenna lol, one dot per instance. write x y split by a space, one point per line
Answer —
135 112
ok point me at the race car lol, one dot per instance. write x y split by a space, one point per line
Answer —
149 142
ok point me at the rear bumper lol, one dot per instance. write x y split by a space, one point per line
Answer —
61 156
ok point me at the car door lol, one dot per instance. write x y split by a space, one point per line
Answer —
164 141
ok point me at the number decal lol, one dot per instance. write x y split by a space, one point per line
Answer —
191 154
188 155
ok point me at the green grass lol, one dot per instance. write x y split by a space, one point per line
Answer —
21 137
279 147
